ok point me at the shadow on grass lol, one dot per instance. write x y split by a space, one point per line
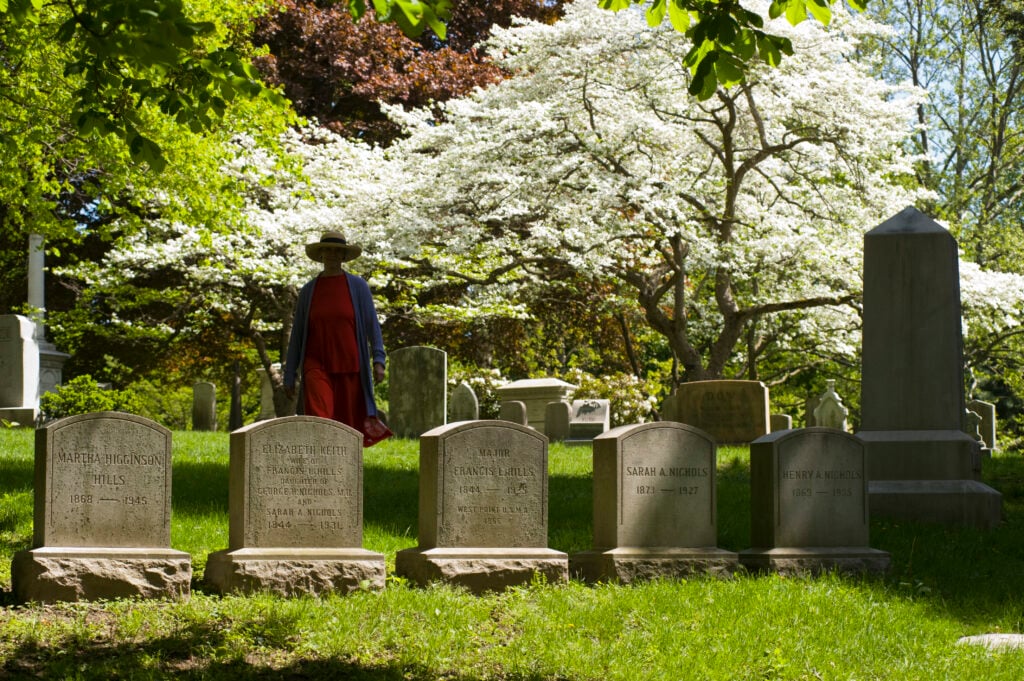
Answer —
198 487
184 655
974 575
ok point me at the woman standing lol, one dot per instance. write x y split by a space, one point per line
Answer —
335 335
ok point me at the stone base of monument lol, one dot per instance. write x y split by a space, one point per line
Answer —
966 503
482 569
633 564
23 416
816 560
295 571
52 574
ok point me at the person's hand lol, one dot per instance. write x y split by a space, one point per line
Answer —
378 372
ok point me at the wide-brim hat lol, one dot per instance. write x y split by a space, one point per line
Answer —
333 241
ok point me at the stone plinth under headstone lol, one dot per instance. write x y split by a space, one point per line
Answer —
536 393
102 513
19 370
921 465
513 411
730 411
781 422
654 505
204 406
556 420
296 511
417 390
987 412
464 405
809 504
588 419
483 509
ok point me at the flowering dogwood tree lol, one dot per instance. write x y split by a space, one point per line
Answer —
713 214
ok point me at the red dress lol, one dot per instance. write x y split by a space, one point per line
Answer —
331 368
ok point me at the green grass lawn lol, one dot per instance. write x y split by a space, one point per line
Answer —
945 583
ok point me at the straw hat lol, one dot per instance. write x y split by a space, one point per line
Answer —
333 241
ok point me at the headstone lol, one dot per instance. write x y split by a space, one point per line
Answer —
781 422
589 419
19 370
102 513
464 405
267 410
235 418
536 393
513 411
987 412
809 406
483 508
831 412
296 511
654 505
730 411
556 420
204 406
921 465
417 390
809 504
670 408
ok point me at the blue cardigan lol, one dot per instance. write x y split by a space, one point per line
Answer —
368 337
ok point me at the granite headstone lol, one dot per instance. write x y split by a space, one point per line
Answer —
483 507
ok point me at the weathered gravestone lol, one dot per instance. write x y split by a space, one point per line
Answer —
556 420
830 411
536 394
921 465
654 505
204 406
513 411
781 422
417 390
464 405
483 508
730 411
19 369
987 412
589 418
102 513
296 511
809 504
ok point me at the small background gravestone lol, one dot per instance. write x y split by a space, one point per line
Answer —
830 411
654 505
204 406
589 418
809 504
987 412
781 422
417 390
556 420
483 508
102 513
730 411
464 405
296 504
513 411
